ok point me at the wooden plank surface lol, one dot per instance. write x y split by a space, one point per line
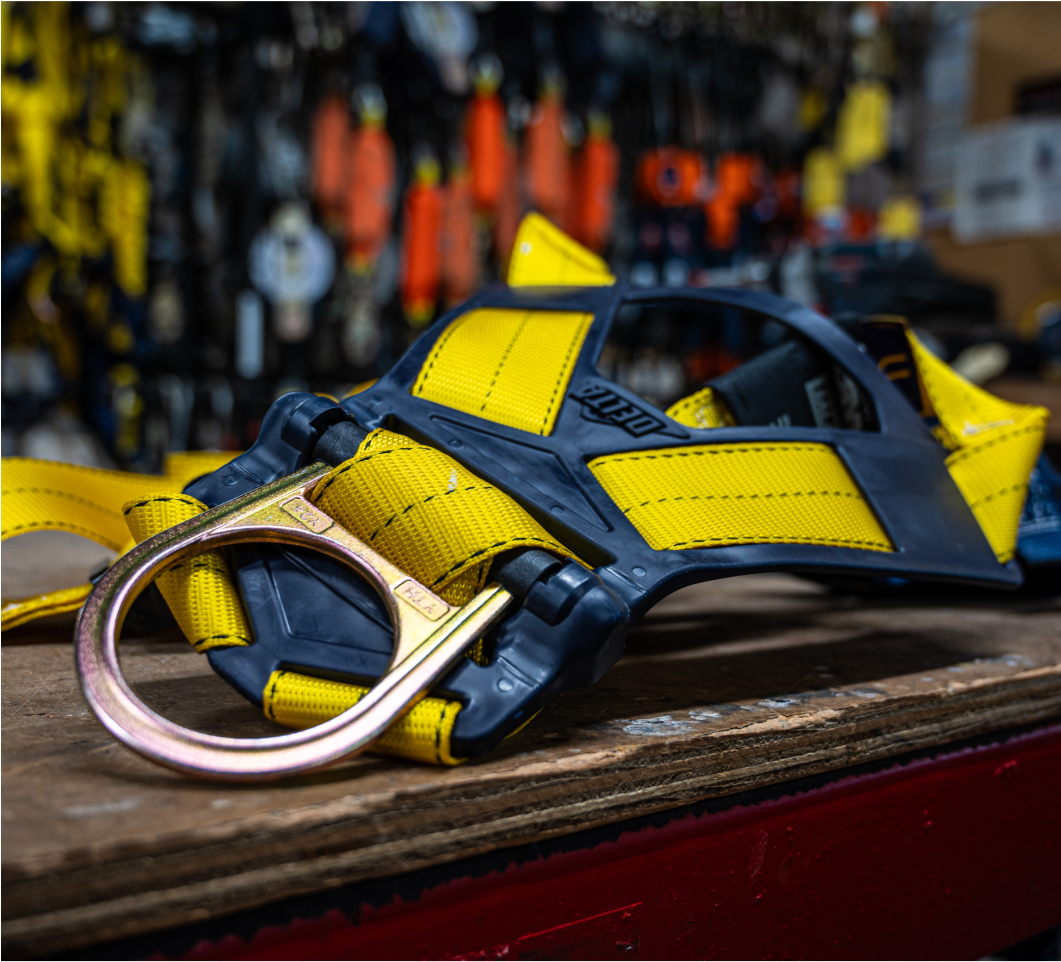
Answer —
726 686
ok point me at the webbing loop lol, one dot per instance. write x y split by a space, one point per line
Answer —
412 503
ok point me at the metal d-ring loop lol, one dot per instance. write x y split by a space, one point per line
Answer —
428 641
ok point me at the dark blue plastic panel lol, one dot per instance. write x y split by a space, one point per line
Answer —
900 469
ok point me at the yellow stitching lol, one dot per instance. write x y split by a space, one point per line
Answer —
812 446
64 526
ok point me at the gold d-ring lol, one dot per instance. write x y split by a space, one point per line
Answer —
429 637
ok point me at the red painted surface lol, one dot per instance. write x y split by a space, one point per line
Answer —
951 857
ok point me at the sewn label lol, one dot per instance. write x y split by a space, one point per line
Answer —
307 515
421 599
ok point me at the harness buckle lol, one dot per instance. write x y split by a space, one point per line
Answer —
430 636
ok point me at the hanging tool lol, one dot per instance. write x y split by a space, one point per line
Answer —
547 160
486 134
422 241
369 202
738 179
596 180
331 147
460 239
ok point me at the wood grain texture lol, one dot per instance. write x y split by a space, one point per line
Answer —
727 686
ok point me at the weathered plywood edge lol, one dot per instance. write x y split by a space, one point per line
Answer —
251 862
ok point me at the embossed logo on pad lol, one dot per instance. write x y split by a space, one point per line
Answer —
421 599
604 405
307 515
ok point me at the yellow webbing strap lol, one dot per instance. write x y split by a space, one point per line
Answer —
52 496
19 611
412 503
422 734
426 513
543 255
994 446
199 591
507 366
704 409
711 495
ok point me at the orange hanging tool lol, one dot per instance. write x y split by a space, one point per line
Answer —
739 177
369 209
331 142
421 243
548 163
460 264
671 177
737 183
486 135
596 179
509 207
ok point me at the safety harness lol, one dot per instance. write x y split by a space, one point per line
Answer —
495 450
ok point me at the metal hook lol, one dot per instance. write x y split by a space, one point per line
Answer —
430 636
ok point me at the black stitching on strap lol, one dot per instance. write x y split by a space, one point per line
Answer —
63 526
1012 489
771 538
497 544
740 497
272 693
442 341
438 733
430 497
559 380
62 494
318 492
504 357
163 500
962 453
712 450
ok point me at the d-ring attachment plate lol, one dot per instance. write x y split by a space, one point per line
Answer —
430 636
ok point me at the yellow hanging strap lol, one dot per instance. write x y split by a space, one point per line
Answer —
543 255
427 514
422 734
52 496
511 367
413 504
704 409
994 446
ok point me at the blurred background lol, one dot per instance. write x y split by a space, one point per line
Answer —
208 205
